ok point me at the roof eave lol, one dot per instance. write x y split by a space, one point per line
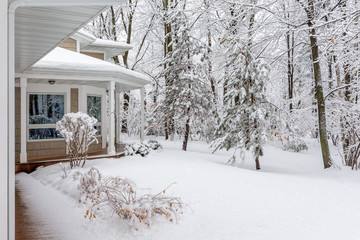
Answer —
96 75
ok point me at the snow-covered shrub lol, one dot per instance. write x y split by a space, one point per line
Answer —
79 133
136 148
117 196
154 145
142 148
295 146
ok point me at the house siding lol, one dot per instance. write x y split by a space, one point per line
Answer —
74 98
45 148
69 44
96 146
100 56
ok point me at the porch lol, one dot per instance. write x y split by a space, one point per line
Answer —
35 162
64 82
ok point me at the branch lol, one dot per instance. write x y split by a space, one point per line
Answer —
281 109
338 88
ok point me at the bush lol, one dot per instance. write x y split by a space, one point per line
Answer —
79 133
154 145
295 146
142 148
119 196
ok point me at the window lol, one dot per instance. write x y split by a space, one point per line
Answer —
44 111
94 110
43 133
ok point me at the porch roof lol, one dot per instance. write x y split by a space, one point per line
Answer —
89 43
40 25
76 68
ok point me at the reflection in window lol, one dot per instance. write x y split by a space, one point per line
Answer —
94 107
98 128
46 108
44 111
43 133
94 110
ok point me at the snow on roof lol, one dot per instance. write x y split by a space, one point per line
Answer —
110 43
91 42
86 34
63 59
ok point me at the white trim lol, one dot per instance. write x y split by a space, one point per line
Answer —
104 126
96 91
23 120
61 3
77 46
111 117
6 215
11 120
142 115
118 121
79 75
46 140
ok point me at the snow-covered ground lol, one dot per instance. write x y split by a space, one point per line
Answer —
292 197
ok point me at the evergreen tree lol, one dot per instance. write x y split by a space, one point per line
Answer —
243 124
188 96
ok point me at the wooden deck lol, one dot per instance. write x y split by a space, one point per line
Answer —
35 162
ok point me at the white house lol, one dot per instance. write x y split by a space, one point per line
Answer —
30 30
72 77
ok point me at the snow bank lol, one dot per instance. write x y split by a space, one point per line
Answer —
292 197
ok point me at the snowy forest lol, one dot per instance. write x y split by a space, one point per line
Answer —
239 74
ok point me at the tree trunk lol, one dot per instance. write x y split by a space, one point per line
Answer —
212 80
187 132
257 162
167 50
166 130
318 87
290 62
128 26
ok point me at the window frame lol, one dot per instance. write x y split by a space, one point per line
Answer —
98 124
38 126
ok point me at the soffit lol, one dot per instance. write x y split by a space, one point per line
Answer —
119 87
39 29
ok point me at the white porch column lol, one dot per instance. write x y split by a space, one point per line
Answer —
6 197
118 120
111 118
142 115
23 134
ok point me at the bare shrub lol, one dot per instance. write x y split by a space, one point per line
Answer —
79 133
119 195
64 173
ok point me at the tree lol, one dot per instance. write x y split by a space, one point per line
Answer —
243 124
310 12
188 96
